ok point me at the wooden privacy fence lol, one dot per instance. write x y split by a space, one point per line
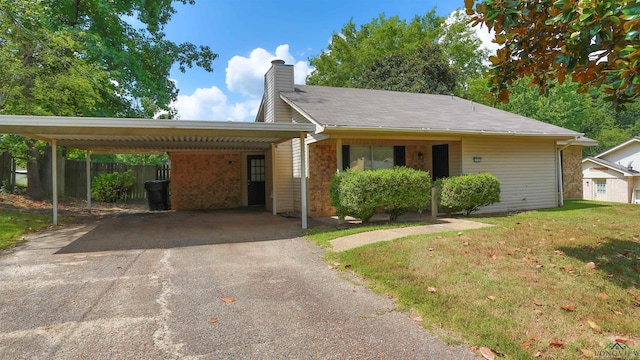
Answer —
75 177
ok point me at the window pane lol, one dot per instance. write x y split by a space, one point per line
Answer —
382 157
601 186
360 157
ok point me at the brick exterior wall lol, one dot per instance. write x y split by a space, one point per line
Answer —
572 172
205 181
412 159
322 165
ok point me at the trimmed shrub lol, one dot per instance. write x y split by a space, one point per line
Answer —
359 193
468 193
112 187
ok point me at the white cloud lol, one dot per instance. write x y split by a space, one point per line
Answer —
245 75
482 32
212 104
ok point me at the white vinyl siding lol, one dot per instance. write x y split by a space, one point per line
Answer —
284 177
268 159
295 151
278 78
625 156
526 168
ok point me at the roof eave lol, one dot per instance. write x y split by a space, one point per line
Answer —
336 129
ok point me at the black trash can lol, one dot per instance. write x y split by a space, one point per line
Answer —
158 194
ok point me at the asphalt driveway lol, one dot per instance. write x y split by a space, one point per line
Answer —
151 286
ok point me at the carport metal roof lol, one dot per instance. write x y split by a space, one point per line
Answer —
150 135
118 135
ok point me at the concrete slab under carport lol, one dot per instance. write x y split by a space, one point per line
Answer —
174 229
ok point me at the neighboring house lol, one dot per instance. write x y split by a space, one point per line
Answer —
614 175
369 129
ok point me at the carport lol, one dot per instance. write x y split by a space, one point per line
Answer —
123 135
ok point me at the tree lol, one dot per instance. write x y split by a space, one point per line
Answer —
84 58
375 47
595 42
352 50
425 70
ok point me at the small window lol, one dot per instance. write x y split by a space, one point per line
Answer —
601 186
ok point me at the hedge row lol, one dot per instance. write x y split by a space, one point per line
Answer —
359 193
468 193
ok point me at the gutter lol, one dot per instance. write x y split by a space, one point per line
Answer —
336 128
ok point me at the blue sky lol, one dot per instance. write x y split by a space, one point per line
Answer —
248 34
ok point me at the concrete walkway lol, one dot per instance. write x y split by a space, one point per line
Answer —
444 224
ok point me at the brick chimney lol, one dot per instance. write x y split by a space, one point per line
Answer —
278 79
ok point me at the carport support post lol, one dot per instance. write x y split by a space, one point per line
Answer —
54 179
88 172
303 179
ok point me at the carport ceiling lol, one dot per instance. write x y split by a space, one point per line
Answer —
150 135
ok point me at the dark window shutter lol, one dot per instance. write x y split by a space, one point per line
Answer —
345 157
399 157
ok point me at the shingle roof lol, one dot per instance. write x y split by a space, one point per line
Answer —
611 165
362 108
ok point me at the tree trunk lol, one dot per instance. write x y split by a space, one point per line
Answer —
34 186
39 184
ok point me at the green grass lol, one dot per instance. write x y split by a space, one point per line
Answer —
15 224
503 287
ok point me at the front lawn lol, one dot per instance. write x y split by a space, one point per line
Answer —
14 224
550 284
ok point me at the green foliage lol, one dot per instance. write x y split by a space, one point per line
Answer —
426 70
112 187
553 39
360 193
128 159
378 47
84 58
468 193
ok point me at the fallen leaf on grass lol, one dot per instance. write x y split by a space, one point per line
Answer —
466 243
590 265
213 320
559 252
537 302
525 345
588 353
228 299
594 326
628 342
532 336
603 296
537 354
528 259
417 319
539 267
491 297
487 353
557 344
617 312
567 308
431 289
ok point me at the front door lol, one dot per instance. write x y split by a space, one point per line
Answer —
440 161
256 179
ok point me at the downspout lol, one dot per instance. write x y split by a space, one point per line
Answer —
560 178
